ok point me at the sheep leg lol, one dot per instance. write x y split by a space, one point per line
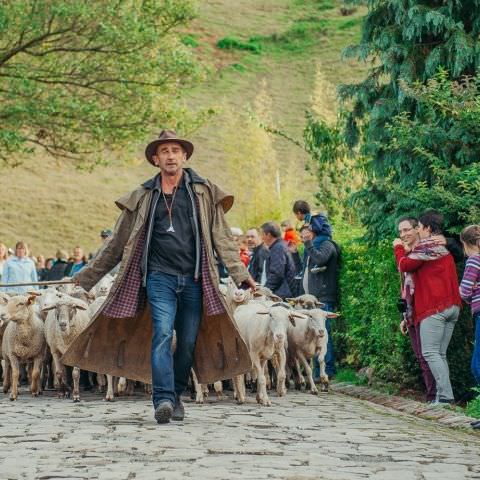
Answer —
300 378
239 388
197 388
308 371
14 365
262 396
121 386
101 381
35 385
148 388
323 376
60 375
109 397
130 388
218 387
268 380
281 374
7 375
76 384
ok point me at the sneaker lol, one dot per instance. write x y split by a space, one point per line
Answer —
442 403
164 412
179 411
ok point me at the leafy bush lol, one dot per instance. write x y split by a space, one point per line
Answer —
473 407
233 43
190 41
367 333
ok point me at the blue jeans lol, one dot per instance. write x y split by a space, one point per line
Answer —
175 302
476 350
330 369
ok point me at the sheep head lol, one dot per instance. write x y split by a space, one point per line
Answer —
65 312
19 308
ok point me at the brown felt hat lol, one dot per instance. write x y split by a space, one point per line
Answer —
164 137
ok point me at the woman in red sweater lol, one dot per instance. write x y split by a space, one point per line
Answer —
432 276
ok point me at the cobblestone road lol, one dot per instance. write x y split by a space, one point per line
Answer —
299 437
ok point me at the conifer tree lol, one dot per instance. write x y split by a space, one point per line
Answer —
407 41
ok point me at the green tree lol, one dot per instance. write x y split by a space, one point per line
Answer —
446 140
406 42
76 77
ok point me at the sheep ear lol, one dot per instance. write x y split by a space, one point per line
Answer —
332 315
319 304
80 305
298 315
275 298
48 308
31 299
263 312
291 317
34 293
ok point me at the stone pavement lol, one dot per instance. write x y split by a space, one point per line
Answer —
301 436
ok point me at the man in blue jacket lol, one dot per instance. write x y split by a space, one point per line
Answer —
279 272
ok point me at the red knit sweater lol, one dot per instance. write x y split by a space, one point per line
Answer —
436 283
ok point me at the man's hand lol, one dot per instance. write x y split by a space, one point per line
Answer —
398 241
306 234
250 282
439 239
403 327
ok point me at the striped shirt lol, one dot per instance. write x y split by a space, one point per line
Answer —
470 285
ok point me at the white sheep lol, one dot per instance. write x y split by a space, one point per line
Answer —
23 342
306 340
66 319
265 333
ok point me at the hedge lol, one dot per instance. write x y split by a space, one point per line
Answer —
367 333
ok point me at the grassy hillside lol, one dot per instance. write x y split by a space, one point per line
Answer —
290 48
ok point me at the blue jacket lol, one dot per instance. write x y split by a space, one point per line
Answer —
280 270
19 270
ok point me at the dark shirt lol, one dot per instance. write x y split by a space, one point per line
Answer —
173 252
255 267
57 272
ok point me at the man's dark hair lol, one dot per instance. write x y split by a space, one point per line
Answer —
407 218
272 228
301 206
432 219
306 227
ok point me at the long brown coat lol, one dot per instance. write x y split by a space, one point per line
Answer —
122 346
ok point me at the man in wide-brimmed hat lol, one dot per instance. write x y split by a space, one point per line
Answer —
168 237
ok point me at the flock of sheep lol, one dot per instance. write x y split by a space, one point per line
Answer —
37 328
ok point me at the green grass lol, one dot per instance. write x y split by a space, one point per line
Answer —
473 406
232 43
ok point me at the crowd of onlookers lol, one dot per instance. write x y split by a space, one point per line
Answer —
291 262
18 266
431 294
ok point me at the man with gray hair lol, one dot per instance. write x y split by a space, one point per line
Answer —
279 271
